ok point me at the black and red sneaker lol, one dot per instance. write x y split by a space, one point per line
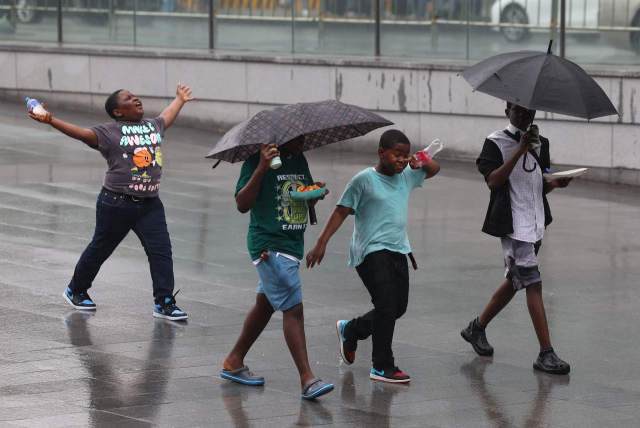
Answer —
393 375
347 356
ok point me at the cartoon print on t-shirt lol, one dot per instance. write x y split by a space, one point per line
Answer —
293 212
159 155
144 140
142 159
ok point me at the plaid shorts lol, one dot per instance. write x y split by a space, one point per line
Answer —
520 261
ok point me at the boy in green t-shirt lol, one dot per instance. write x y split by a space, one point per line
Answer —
379 199
276 245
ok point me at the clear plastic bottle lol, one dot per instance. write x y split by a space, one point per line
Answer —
35 107
427 154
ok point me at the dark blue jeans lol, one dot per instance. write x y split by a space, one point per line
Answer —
115 217
386 275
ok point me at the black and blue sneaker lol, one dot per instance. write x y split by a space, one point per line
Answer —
347 356
168 310
392 375
80 301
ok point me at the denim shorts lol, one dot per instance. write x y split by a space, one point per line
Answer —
280 281
521 262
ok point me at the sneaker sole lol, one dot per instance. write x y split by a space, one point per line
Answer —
320 392
241 380
482 353
385 379
537 366
344 357
169 317
80 308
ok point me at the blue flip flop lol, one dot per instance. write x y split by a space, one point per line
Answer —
242 375
316 388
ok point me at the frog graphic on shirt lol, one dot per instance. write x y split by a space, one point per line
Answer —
292 212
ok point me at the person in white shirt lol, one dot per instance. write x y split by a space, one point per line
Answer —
518 213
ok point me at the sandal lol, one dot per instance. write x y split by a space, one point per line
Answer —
315 388
242 375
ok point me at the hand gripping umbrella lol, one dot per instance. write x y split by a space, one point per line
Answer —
540 81
321 123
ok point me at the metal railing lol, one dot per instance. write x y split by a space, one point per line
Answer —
513 16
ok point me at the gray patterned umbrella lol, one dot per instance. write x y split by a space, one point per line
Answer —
321 123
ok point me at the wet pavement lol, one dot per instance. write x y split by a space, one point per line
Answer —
121 367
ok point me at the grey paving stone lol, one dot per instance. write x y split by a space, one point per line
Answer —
121 367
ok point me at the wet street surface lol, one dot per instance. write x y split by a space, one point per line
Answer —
120 367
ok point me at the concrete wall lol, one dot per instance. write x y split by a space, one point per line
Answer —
425 101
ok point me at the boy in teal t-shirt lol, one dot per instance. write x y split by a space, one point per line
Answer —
379 199
276 244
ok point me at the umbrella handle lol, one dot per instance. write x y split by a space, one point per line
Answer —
313 220
524 164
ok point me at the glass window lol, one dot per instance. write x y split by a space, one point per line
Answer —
597 31
172 23
603 31
161 23
424 28
97 22
255 25
344 27
510 25
29 20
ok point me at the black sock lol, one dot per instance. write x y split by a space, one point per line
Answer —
476 326
544 352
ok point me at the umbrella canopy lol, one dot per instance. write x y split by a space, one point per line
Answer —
540 81
321 123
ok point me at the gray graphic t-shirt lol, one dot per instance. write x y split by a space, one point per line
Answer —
134 155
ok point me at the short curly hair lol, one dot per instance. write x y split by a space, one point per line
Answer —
112 103
392 137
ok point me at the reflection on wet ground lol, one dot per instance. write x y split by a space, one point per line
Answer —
120 367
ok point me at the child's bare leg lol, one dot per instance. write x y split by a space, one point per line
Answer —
538 315
499 300
256 320
293 325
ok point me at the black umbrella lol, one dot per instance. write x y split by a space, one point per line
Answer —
321 123
540 81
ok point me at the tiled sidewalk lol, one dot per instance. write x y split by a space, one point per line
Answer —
122 368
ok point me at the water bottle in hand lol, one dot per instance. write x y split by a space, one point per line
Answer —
427 154
36 108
